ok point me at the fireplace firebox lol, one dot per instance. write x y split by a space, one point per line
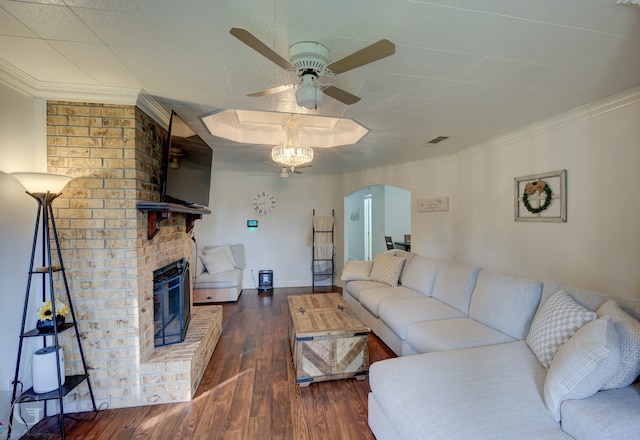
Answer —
171 303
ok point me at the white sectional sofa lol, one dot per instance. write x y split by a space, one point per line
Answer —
485 355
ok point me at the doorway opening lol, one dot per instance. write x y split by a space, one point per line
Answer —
368 238
386 210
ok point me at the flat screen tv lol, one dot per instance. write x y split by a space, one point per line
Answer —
186 166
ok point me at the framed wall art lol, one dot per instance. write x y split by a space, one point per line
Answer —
541 197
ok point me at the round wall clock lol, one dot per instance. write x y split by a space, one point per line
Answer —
264 203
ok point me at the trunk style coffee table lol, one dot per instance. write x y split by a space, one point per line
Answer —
328 340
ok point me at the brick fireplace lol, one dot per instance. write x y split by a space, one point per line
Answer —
115 152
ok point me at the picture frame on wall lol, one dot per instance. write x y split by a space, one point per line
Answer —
541 197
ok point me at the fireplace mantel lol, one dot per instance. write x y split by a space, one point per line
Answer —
158 211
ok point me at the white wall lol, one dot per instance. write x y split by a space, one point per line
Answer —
430 232
282 241
599 246
22 132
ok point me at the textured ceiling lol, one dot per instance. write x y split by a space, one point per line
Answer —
467 69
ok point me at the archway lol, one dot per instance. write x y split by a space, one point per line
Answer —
390 215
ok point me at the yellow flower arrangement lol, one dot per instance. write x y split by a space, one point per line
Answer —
45 312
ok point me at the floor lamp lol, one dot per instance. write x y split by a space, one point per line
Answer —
45 188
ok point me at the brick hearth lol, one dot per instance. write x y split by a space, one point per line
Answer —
115 152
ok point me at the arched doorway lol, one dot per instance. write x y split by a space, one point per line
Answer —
371 213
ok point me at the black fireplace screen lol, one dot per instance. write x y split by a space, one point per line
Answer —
171 303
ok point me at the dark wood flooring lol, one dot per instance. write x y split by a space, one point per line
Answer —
248 391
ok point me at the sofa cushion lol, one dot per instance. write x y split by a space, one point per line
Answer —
607 415
582 365
492 392
420 274
399 314
454 284
386 269
356 270
371 298
452 334
238 255
354 288
505 303
554 323
217 261
629 333
224 280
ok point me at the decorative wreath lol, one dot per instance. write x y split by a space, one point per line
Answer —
530 189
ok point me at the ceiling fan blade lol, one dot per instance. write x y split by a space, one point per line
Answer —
250 40
273 165
369 54
272 91
341 95
306 165
296 171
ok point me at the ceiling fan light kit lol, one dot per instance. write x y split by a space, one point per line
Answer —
309 95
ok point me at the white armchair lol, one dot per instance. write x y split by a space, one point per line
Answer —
219 274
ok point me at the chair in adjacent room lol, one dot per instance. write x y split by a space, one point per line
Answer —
389 242
407 242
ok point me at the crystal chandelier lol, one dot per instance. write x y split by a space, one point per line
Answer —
292 154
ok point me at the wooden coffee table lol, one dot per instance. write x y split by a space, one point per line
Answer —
328 340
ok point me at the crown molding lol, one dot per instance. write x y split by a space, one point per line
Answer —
153 109
28 85
588 111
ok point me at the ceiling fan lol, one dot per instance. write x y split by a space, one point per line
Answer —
284 171
310 60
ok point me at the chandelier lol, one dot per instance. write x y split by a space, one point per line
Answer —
292 154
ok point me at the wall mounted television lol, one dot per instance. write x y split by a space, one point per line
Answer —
187 163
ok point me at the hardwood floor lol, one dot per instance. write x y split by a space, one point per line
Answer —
248 390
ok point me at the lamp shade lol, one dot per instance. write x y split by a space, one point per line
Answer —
36 183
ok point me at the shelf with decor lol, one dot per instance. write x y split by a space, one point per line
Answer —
158 211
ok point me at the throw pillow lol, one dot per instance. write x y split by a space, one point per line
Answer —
386 269
582 365
227 249
629 332
217 261
356 270
554 323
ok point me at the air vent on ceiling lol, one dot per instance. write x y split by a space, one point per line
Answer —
436 140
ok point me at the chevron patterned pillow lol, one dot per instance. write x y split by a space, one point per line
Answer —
217 261
386 269
555 322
